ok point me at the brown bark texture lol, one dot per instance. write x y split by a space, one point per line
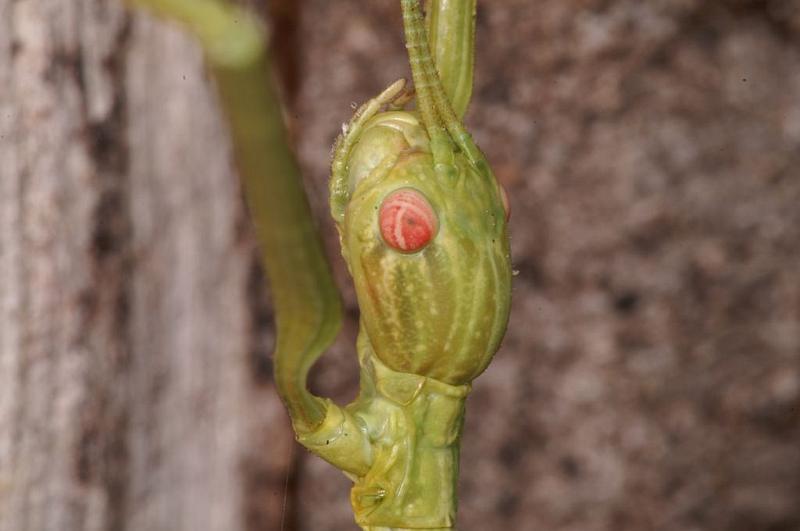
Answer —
650 378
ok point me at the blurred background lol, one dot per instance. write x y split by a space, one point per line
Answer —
650 377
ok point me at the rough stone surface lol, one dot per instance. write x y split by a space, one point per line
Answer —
650 379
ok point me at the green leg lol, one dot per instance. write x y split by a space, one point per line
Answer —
346 140
451 34
306 301
437 112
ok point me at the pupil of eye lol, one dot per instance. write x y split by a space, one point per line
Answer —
407 220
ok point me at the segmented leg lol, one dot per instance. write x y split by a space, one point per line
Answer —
437 112
393 95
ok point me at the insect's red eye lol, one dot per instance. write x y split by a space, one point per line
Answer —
407 220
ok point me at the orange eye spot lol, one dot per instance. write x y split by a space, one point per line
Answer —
407 220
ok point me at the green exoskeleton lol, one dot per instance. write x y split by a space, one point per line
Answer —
422 225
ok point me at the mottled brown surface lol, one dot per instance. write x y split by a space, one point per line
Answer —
650 379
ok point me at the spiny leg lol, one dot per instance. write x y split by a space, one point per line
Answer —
435 107
353 128
421 65
393 94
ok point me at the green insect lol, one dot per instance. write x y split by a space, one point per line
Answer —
422 225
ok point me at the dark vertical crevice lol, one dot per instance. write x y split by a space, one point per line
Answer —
262 324
285 18
262 483
289 517
101 455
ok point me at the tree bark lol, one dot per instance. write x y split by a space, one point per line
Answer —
134 392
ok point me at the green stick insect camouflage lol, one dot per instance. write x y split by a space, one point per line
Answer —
422 225
431 319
